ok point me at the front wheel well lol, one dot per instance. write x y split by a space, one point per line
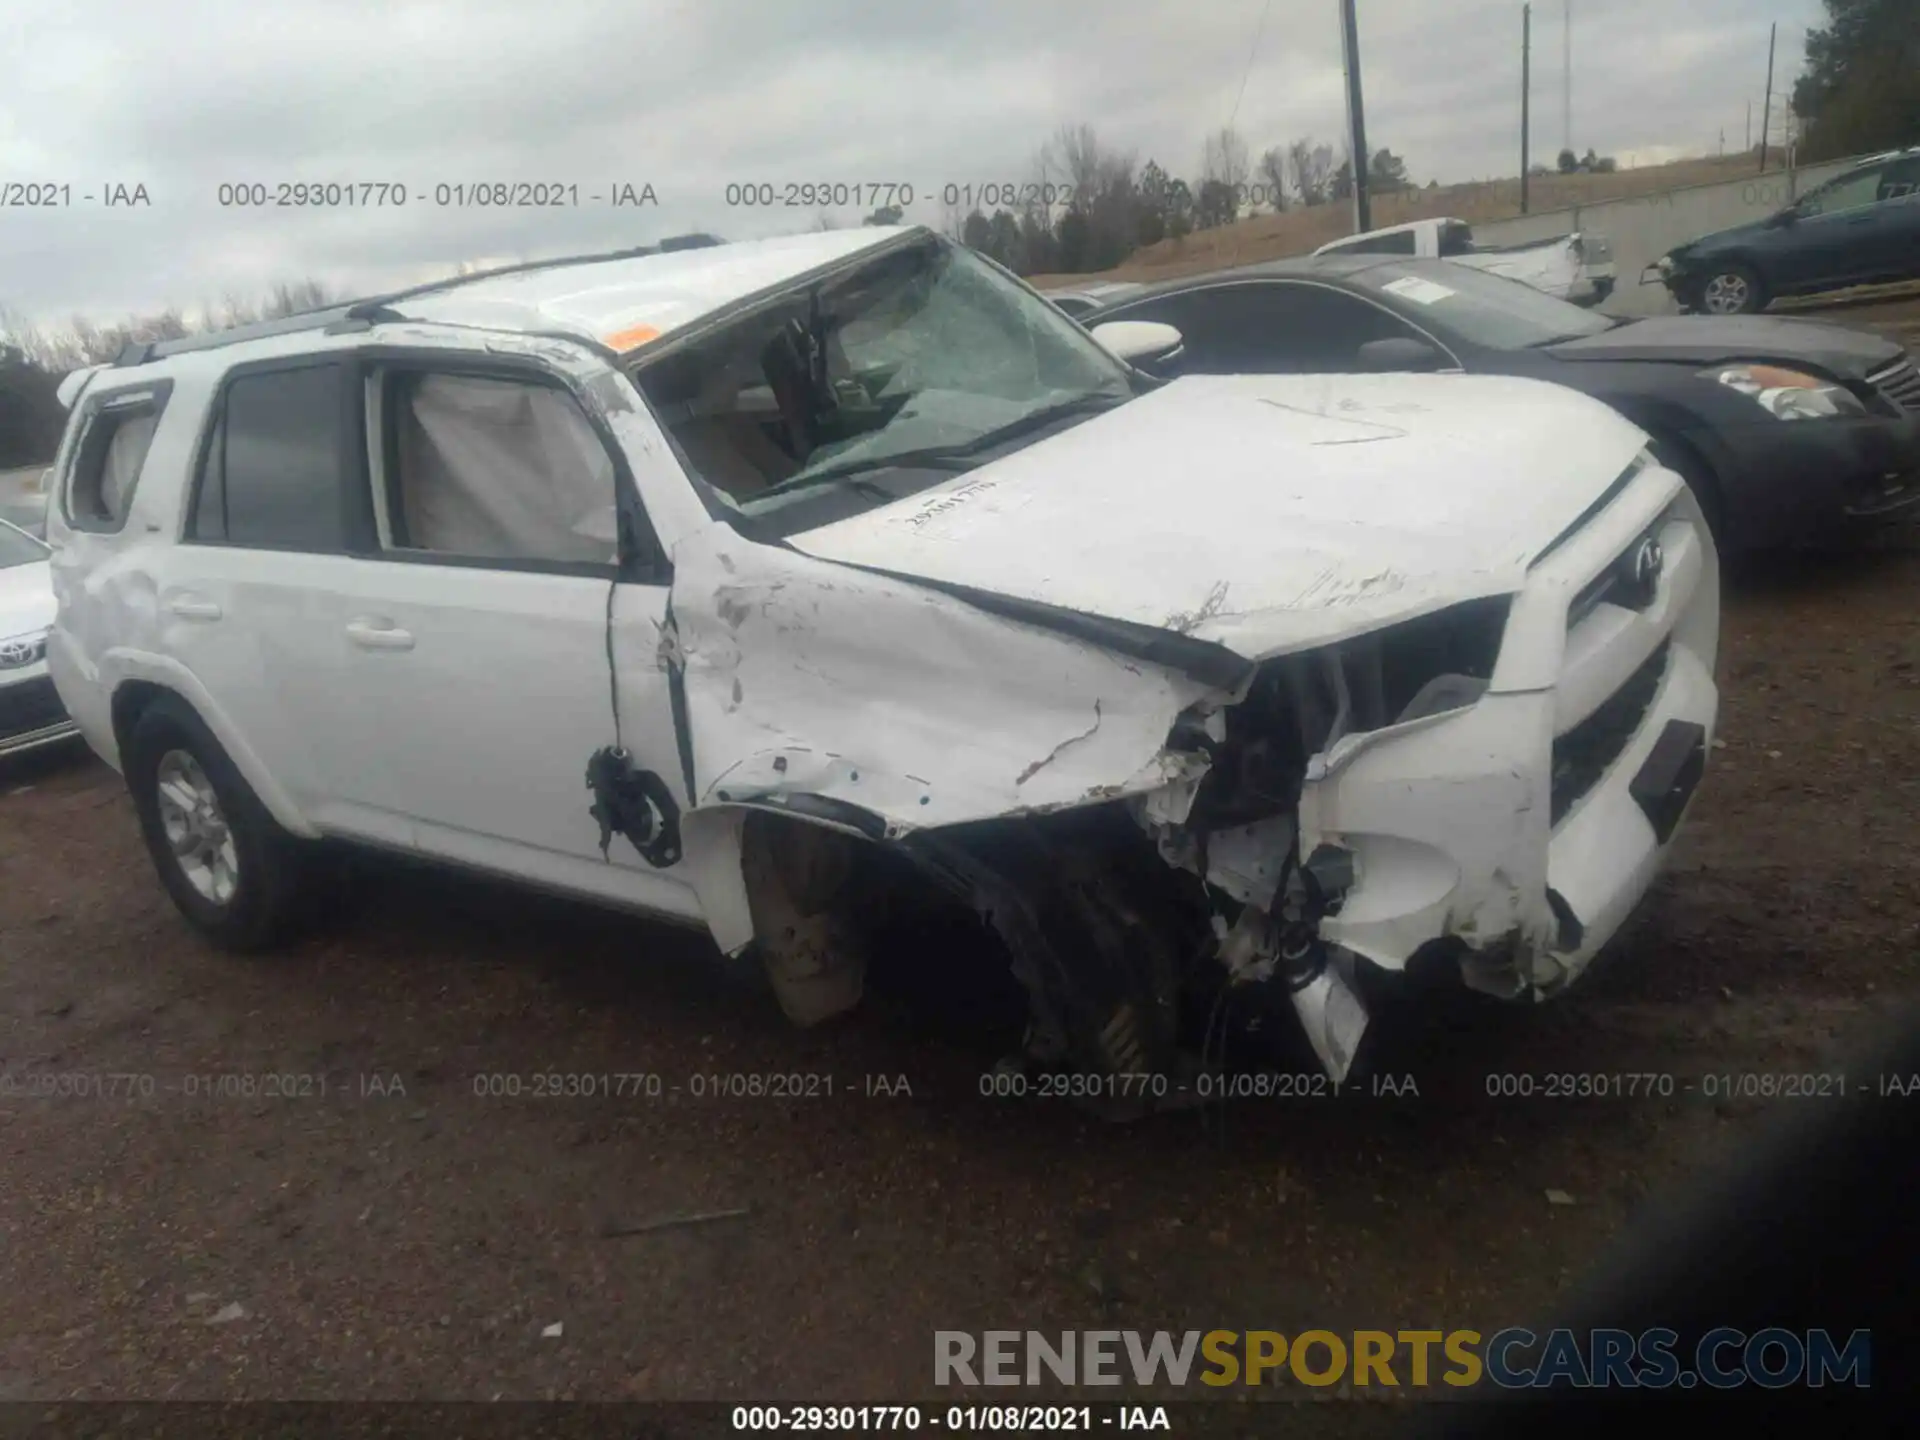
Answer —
1685 460
130 701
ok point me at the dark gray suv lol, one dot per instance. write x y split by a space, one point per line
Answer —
1860 228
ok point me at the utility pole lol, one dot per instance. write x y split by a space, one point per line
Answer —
1526 94
1766 110
1749 124
1356 117
1566 78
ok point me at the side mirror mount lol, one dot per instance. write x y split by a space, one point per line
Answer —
1399 353
1139 342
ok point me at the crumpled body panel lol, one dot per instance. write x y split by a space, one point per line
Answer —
806 677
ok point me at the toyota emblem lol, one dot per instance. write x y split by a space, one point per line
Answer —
1648 558
16 652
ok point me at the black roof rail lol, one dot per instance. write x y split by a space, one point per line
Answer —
139 352
379 307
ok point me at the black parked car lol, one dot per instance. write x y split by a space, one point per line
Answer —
1860 228
1789 430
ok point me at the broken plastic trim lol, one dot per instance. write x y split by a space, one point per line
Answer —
816 807
633 803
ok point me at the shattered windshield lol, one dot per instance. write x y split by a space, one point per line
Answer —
868 387
1480 308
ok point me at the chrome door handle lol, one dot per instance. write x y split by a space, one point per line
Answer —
193 607
370 632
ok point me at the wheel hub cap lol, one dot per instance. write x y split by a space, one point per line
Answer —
196 827
1726 294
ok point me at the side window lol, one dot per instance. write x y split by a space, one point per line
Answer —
1269 327
113 448
1201 316
1849 192
483 468
1901 181
281 462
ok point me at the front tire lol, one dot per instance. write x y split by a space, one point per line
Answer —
226 863
1731 288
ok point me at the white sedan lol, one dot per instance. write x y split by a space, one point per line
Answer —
31 714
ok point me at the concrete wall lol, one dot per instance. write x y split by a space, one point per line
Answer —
1645 227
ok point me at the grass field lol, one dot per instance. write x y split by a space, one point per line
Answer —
1299 232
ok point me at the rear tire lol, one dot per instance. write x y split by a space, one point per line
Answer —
229 867
1731 288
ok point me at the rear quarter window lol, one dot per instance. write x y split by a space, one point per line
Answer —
116 430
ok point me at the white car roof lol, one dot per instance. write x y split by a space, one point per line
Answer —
622 302
629 302
1345 240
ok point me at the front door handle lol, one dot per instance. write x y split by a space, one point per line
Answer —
193 607
370 632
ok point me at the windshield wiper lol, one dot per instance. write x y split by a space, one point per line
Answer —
951 457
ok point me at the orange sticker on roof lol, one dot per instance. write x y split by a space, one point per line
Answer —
632 336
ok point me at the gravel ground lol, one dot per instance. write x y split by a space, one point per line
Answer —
405 1234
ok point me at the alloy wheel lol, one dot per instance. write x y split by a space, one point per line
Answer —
196 827
1726 295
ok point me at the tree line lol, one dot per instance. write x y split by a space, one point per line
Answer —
1860 91
1111 204
34 359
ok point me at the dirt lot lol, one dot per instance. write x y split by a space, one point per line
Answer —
406 1235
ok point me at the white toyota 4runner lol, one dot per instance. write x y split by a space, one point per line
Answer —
785 586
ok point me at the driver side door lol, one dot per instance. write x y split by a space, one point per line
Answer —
500 633
1832 239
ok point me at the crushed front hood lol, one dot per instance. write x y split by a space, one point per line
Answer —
1265 514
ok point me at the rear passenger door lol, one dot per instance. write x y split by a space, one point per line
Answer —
252 599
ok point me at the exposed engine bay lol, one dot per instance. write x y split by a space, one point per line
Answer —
1126 922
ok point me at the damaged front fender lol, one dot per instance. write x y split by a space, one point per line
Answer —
803 677
869 709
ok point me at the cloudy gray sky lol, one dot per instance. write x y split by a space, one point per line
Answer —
689 97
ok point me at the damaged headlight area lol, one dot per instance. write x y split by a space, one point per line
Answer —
1790 394
1237 828
1141 929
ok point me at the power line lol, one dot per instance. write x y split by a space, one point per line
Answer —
1252 51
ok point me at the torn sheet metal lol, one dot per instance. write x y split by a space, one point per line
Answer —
804 678
1449 834
1267 514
